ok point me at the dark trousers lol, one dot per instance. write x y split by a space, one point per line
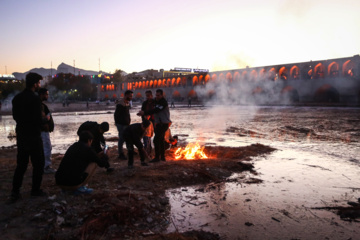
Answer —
159 140
29 147
130 150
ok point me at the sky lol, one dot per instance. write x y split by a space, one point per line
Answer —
136 35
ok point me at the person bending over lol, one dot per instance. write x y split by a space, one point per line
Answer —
132 136
97 130
78 165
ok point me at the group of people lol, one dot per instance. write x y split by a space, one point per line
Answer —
34 123
155 116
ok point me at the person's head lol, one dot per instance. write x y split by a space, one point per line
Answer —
159 94
104 127
33 81
145 123
128 95
149 95
86 137
43 94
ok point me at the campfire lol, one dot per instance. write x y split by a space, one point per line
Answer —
191 151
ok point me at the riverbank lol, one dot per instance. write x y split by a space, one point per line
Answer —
126 204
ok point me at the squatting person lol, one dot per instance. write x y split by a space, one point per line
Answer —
78 165
132 136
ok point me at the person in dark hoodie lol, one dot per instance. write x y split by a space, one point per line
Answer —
122 120
26 111
162 122
98 143
78 165
132 136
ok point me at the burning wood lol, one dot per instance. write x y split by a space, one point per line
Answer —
191 151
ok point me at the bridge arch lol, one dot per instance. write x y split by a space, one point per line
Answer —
173 82
221 77
214 77
229 77
333 69
307 72
138 95
195 81
348 68
201 80
176 94
237 76
326 93
183 81
288 93
207 78
178 81
294 72
192 94
253 75
168 82
262 74
272 74
283 73
151 83
319 71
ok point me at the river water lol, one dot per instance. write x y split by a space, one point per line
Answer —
316 164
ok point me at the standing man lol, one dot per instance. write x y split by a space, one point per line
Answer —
122 120
46 128
147 105
26 112
162 122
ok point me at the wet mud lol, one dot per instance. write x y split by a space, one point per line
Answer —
305 183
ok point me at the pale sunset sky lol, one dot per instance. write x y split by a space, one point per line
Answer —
136 35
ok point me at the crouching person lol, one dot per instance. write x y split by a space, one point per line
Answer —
132 136
78 165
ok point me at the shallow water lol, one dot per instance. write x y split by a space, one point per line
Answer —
317 164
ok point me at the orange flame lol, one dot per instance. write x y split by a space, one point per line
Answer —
191 151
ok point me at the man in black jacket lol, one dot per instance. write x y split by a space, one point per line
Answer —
162 123
98 143
132 136
122 120
27 114
78 165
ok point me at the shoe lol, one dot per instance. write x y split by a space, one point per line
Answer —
130 167
38 193
122 157
83 190
155 160
14 197
110 170
144 164
49 170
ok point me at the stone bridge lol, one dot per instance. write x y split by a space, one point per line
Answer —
332 80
